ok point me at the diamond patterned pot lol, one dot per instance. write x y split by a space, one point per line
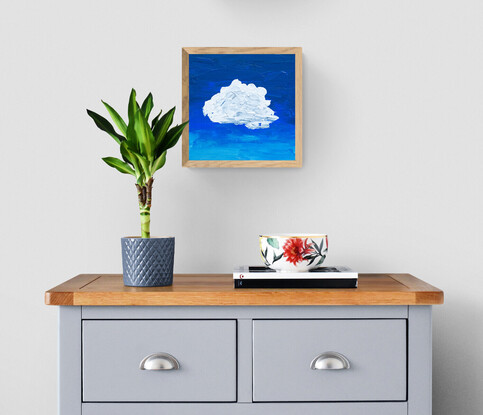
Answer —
147 262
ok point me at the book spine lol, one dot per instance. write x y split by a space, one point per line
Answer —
296 283
301 275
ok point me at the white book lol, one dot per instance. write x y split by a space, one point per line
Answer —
264 273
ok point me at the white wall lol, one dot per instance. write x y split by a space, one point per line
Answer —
392 159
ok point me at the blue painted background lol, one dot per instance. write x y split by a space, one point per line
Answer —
213 141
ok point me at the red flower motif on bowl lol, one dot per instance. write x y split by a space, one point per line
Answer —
296 249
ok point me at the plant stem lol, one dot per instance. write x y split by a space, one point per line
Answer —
145 222
144 200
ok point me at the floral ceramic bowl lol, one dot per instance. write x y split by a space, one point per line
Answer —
295 253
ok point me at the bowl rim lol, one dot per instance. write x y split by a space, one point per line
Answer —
299 235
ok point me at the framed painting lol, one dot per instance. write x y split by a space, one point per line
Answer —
244 107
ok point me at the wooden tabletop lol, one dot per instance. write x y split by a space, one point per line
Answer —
217 289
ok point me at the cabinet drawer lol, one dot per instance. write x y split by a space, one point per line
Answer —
114 350
284 350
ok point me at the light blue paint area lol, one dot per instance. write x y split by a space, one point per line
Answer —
213 141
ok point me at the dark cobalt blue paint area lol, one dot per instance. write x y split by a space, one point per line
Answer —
214 141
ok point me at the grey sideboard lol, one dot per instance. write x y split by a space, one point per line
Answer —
202 347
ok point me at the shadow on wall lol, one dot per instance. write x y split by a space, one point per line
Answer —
457 364
237 6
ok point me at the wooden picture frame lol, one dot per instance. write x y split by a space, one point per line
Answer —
295 124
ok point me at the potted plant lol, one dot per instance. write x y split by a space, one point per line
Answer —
146 261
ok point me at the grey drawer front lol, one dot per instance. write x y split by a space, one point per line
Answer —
284 349
113 350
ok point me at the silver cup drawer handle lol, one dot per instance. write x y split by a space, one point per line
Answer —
330 361
159 361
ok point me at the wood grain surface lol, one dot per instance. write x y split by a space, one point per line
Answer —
217 289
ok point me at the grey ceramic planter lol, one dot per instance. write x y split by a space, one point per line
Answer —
147 262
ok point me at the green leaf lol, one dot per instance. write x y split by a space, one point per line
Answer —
144 165
311 261
119 165
105 125
147 106
155 119
116 118
172 136
273 242
144 135
316 246
162 126
131 158
159 162
132 140
321 260
140 163
132 106
277 257
126 154
140 181
264 256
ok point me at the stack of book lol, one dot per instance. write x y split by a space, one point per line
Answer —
322 277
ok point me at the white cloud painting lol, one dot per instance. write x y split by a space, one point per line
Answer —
240 104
